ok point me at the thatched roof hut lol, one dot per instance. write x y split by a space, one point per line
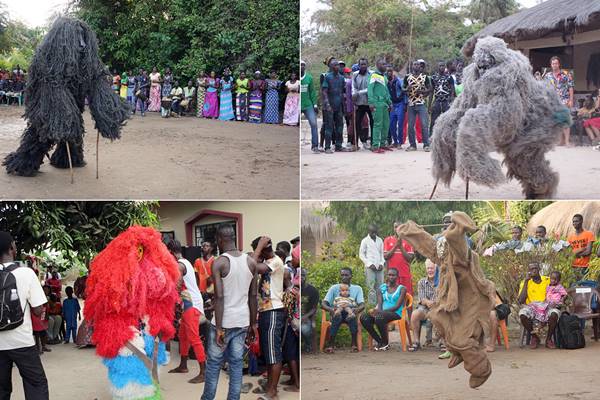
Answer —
558 216
317 228
569 29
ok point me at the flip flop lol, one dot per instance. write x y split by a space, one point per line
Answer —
329 350
266 397
259 390
354 349
414 347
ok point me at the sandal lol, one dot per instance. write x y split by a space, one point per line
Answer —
259 390
414 347
354 349
329 350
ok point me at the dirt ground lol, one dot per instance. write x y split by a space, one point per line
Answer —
80 374
518 374
401 175
186 159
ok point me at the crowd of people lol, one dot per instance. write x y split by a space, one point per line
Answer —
236 310
387 266
226 98
12 85
380 107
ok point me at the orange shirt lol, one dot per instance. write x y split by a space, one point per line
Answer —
204 270
580 242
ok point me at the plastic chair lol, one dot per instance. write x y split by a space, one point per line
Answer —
502 329
325 325
402 323
582 305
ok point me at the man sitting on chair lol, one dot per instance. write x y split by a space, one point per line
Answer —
426 291
176 95
337 319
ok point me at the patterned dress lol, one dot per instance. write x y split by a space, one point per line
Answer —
211 99
241 99
291 115
167 85
226 100
154 92
200 93
272 101
257 87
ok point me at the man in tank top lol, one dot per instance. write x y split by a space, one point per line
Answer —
193 309
234 320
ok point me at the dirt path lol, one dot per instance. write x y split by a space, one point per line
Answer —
400 175
186 159
79 374
518 374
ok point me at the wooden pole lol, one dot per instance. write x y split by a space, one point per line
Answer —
70 162
97 145
467 191
434 187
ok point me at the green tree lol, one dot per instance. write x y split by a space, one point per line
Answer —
488 11
78 230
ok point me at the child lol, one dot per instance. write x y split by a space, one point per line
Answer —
344 303
555 292
71 312
40 324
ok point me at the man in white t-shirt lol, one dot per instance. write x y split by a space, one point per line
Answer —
193 309
17 345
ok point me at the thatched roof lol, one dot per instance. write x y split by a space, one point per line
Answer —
562 16
558 216
313 222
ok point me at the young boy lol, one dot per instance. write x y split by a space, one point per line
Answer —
71 312
344 302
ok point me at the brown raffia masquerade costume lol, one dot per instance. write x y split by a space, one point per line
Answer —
464 296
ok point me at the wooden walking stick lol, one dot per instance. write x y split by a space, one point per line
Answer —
70 162
354 133
434 187
97 144
467 191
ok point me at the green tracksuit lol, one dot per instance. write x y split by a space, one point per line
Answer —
379 97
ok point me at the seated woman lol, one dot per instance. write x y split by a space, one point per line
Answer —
541 297
591 125
390 301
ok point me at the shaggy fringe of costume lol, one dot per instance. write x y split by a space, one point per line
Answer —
502 109
64 71
122 290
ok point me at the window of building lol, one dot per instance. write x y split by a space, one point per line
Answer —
208 232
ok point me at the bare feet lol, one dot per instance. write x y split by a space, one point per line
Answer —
198 379
490 349
179 370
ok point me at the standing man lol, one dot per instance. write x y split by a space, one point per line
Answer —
308 105
193 309
360 83
272 315
371 254
333 88
17 345
418 86
562 82
234 320
380 104
443 92
396 132
349 110
399 254
581 242
309 303
203 265
142 91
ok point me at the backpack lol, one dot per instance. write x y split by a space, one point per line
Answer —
570 332
11 313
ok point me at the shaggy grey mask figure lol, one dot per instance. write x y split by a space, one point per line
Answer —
65 70
503 109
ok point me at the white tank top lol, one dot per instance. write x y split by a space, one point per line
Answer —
235 293
189 280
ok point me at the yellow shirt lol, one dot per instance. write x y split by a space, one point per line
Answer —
536 291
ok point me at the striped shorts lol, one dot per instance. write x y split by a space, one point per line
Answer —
270 327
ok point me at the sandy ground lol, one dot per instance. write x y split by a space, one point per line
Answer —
186 159
400 175
80 374
518 374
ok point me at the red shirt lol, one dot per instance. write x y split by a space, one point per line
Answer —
397 261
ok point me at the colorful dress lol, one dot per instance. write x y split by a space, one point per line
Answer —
257 88
154 92
211 100
226 100
116 83
167 85
291 115
201 94
124 80
272 101
241 99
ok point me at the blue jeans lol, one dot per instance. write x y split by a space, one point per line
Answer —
338 320
142 105
397 123
413 111
307 331
311 116
233 353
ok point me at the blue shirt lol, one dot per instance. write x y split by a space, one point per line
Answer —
70 310
356 293
390 300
